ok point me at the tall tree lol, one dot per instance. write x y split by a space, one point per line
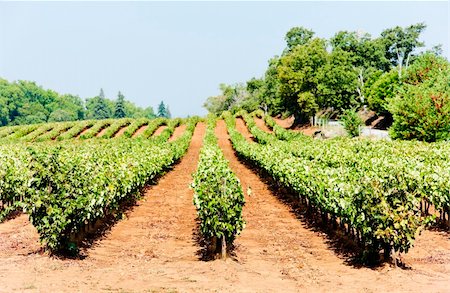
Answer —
119 111
400 43
99 107
162 112
297 36
298 75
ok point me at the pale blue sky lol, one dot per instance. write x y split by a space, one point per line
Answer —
177 51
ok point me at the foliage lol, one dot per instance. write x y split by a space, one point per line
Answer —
297 36
25 102
66 187
421 110
134 126
115 127
315 74
99 107
232 97
119 111
400 43
298 75
219 198
352 122
385 88
338 82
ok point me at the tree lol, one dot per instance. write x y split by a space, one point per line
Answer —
400 43
168 114
385 88
297 36
149 113
298 76
119 111
73 107
421 109
61 115
232 98
98 107
215 104
337 86
162 112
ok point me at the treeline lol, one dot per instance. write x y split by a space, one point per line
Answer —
25 102
349 71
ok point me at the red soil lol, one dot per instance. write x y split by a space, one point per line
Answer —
159 130
102 131
139 131
178 132
121 131
261 124
242 128
287 123
86 129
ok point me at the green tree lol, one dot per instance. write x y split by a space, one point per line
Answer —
62 115
73 107
162 112
297 36
382 90
298 75
337 85
232 98
421 109
119 111
400 43
98 107
149 113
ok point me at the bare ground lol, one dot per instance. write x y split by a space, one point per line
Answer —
178 132
155 249
287 123
261 124
140 130
121 131
86 129
102 131
159 130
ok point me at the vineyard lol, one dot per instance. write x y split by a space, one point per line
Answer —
163 195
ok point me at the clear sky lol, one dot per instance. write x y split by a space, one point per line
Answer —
178 52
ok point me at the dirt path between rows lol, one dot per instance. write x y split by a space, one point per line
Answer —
140 130
242 128
304 260
159 130
102 131
121 131
178 132
285 123
261 124
86 129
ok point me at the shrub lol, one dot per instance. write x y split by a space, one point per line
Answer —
352 122
421 109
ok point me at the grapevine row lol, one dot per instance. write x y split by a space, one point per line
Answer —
219 198
382 214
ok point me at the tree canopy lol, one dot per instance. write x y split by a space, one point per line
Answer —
347 71
25 102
